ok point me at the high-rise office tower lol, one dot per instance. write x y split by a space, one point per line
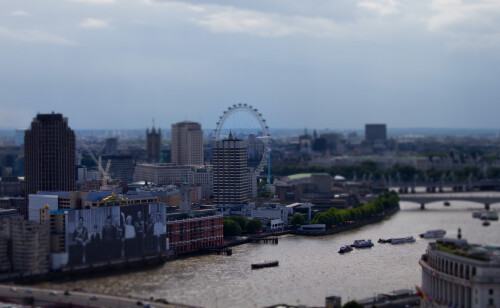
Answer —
375 132
187 143
111 145
153 144
230 171
49 150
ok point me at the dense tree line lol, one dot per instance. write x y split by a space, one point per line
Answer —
387 200
406 173
236 225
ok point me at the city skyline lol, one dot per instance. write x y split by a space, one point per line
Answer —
331 65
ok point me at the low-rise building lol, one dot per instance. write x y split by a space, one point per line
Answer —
269 212
273 225
167 174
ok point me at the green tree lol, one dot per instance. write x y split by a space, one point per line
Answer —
253 226
240 220
352 304
231 228
297 219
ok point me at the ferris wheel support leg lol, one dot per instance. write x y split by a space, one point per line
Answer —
269 167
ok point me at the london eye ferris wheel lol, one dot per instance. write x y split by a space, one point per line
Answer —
246 122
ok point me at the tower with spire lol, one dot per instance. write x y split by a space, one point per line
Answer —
153 144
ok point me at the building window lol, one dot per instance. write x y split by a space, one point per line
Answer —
491 291
490 302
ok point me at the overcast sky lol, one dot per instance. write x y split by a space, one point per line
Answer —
317 64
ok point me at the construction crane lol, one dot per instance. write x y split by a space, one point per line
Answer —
104 173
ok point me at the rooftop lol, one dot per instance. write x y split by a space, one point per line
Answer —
464 249
300 176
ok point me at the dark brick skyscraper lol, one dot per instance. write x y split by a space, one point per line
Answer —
49 150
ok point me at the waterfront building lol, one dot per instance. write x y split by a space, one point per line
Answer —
273 225
375 132
187 143
153 144
49 149
166 174
458 274
196 230
269 212
230 171
313 228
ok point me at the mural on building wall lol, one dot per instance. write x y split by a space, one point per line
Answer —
116 232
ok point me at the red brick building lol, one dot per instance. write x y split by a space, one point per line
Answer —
193 231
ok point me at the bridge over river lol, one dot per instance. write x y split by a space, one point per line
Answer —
485 198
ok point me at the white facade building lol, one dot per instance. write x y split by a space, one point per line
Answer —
470 277
269 211
230 171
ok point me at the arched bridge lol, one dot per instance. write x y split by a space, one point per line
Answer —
423 199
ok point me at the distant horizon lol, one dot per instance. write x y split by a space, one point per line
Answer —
391 131
280 128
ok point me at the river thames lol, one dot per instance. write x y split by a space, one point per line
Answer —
310 268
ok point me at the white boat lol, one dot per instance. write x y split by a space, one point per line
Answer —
362 243
433 234
485 215
492 215
402 240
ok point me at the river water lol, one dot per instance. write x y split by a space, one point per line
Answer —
310 268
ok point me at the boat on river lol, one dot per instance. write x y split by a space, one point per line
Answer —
403 240
382 241
345 249
265 264
476 214
362 243
433 234
485 215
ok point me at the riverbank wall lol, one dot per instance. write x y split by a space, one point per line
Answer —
353 225
90 268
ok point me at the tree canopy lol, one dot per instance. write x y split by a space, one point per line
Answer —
231 228
297 219
253 226
333 216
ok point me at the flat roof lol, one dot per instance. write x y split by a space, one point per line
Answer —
299 176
